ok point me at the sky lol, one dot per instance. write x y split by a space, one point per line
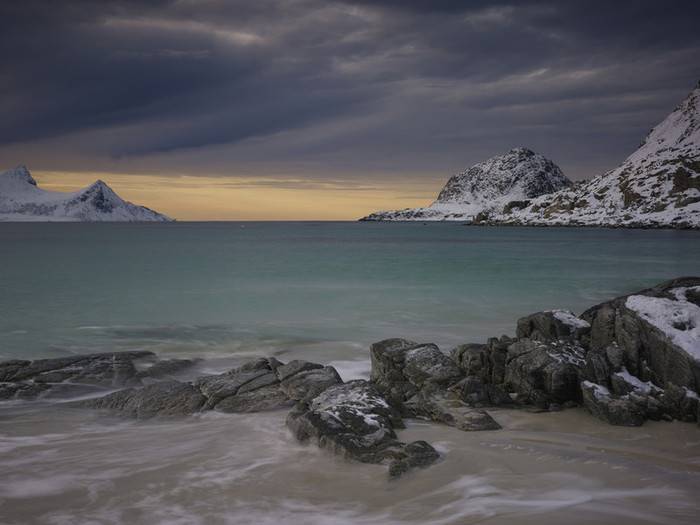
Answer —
312 109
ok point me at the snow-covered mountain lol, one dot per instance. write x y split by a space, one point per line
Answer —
22 200
657 186
488 186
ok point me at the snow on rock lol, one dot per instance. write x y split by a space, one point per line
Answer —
568 318
513 178
22 200
599 391
657 186
645 387
679 320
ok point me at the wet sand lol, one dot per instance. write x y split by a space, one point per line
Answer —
62 465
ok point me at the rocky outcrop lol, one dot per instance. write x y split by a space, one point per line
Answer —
417 378
66 376
355 421
627 360
165 398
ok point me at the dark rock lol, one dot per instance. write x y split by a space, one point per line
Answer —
646 351
427 364
475 392
352 420
388 359
259 373
623 411
259 400
166 398
401 368
356 422
448 409
417 454
552 325
309 382
544 372
294 367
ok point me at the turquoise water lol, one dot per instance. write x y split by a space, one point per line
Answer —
271 288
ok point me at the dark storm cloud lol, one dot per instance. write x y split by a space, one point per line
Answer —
349 84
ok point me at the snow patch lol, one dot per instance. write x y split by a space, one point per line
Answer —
678 320
645 387
569 319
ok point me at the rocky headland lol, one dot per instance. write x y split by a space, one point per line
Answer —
627 360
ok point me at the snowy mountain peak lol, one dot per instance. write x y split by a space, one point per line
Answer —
18 175
517 175
21 199
656 186
520 173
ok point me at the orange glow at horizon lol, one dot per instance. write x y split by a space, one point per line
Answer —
189 198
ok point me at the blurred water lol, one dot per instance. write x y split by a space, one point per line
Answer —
327 289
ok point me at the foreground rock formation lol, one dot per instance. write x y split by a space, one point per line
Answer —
626 360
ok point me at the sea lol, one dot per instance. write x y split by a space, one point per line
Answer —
322 291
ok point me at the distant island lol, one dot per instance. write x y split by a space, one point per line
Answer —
22 200
657 186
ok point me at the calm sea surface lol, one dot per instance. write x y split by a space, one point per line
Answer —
226 287
321 291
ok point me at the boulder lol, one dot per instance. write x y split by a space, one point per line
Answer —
401 368
356 422
656 330
544 373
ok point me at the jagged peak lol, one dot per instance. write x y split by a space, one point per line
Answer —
522 151
20 173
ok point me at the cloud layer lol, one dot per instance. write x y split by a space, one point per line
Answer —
359 89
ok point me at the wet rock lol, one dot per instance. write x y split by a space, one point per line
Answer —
419 454
309 382
544 372
447 408
486 361
356 422
106 370
623 411
388 359
401 368
475 392
426 364
294 367
166 398
246 378
258 400
22 390
552 325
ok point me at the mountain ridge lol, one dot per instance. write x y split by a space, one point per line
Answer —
657 186
21 200
518 174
